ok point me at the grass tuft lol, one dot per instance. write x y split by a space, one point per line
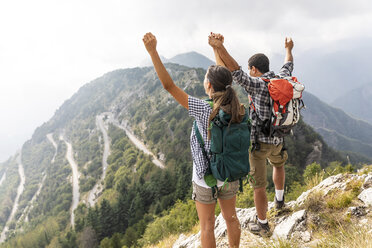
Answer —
347 237
278 243
314 202
339 200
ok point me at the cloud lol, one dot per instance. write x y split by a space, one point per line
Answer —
50 48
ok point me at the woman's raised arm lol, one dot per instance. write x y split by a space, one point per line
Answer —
150 43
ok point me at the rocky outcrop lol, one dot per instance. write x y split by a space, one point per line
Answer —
293 223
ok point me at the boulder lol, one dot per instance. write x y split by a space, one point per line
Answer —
284 229
366 196
187 242
368 182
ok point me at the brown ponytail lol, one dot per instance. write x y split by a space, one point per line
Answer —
224 96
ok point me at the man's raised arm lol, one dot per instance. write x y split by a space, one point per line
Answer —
288 47
216 55
250 84
217 45
287 68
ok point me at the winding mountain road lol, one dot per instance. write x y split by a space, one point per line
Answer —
75 179
140 145
50 138
20 189
97 189
2 178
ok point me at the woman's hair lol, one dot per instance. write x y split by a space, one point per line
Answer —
224 95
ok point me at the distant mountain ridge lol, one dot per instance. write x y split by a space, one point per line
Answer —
190 59
339 130
357 103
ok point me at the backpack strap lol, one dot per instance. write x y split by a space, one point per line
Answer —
209 179
201 142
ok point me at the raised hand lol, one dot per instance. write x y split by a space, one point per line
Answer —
149 40
215 40
288 43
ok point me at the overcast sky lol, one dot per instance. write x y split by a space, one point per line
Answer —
49 49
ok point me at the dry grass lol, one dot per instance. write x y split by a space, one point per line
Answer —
279 243
315 180
165 243
339 200
170 240
365 170
347 237
314 202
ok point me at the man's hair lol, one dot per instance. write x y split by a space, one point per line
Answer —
260 61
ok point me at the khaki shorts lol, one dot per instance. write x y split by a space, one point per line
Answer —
257 160
205 196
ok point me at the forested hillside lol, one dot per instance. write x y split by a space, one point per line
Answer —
133 190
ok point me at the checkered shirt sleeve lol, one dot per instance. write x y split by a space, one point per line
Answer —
259 92
201 111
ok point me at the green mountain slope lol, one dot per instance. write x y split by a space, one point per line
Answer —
134 190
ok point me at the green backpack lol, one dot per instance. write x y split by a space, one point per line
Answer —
229 149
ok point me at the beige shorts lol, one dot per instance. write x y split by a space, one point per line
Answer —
205 196
257 160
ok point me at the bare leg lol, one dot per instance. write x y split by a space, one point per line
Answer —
232 222
279 177
260 201
206 218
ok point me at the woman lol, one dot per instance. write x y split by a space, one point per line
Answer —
217 85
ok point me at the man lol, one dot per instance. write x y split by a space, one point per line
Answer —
264 147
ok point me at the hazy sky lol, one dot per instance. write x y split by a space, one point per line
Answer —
48 49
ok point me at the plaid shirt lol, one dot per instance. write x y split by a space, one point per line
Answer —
201 111
259 92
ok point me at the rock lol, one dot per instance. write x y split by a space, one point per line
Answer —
368 182
187 242
366 196
338 182
304 236
285 228
357 211
363 222
220 229
245 215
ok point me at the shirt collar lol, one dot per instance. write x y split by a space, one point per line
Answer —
269 74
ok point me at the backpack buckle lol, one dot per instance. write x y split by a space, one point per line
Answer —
276 141
256 147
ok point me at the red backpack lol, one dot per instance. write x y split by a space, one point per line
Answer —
286 103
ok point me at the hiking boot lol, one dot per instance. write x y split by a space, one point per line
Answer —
260 229
279 204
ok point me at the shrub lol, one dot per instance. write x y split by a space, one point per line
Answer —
181 218
245 199
312 169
